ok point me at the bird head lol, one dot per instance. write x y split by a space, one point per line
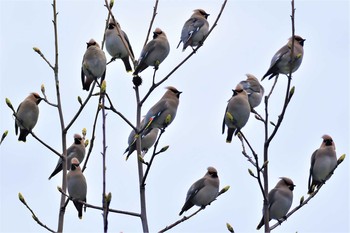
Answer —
288 182
327 141
212 172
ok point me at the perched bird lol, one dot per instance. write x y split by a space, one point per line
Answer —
323 162
281 61
237 112
27 115
280 200
94 64
154 52
115 46
147 140
254 90
77 187
76 150
195 29
163 112
203 191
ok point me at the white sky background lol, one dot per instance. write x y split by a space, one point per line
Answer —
244 41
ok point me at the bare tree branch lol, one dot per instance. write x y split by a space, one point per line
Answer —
152 20
184 218
183 61
98 207
21 198
312 195
143 183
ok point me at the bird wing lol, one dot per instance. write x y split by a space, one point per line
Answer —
272 196
245 84
16 126
279 54
147 50
193 26
223 122
82 77
127 41
155 112
313 158
194 189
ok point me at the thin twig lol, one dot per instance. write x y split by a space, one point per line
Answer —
183 61
140 164
60 113
249 158
21 198
312 195
82 106
34 136
143 183
92 140
255 164
273 86
49 103
184 218
280 119
38 51
98 207
46 145
113 109
151 23
104 151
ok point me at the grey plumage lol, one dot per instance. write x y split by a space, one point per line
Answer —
77 187
237 113
154 52
254 90
76 150
93 65
323 162
115 46
203 191
280 63
164 111
147 140
195 29
280 200
27 115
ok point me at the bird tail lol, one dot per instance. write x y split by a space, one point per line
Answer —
57 170
127 64
179 44
23 135
79 207
230 132
260 224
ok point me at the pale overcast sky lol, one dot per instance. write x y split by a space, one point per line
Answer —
244 41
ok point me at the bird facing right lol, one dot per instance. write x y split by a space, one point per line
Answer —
93 65
323 162
237 113
195 29
281 61
164 111
147 140
154 52
280 200
76 185
76 150
27 115
203 191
